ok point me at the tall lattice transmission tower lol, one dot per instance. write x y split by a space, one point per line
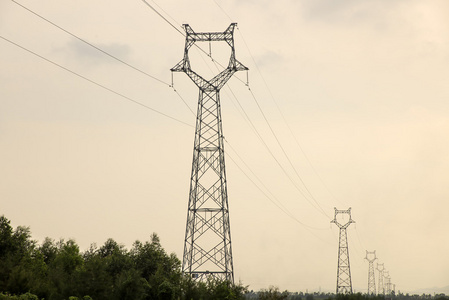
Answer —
380 286
371 257
207 243
344 283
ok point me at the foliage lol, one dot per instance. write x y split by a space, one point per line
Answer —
212 289
272 293
27 296
57 270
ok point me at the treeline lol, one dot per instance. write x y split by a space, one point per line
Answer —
273 293
57 270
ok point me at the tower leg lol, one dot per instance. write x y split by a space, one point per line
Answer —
207 246
344 282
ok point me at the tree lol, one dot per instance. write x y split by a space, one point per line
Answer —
212 289
63 270
21 265
58 270
160 270
272 293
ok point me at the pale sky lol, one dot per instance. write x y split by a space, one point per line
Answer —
355 91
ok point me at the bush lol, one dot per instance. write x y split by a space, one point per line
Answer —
27 296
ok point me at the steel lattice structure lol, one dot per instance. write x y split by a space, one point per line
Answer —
344 282
371 278
380 287
387 282
207 244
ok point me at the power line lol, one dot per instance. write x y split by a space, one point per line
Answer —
257 133
103 51
90 44
288 158
179 25
277 203
179 95
252 126
282 114
223 10
280 205
283 117
285 172
160 15
94 82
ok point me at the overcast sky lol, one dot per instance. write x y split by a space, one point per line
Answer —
356 93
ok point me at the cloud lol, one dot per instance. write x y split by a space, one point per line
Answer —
85 54
269 58
351 12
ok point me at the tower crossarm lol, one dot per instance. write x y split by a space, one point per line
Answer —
372 254
380 267
227 35
339 211
219 80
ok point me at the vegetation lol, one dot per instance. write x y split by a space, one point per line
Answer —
57 270
273 293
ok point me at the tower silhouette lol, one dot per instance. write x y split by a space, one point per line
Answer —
207 243
380 287
344 283
371 279
387 282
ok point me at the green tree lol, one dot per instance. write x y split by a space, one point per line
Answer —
160 270
63 270
130 285
93 278
212 289
59 271
226 290
49 250
26 296
272 293
21 265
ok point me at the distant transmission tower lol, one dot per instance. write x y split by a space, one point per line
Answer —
207 244
344 283
387 282
380 287
371 279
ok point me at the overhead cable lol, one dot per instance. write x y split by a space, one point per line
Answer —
285 121
90 44
95 83
280 206
103 51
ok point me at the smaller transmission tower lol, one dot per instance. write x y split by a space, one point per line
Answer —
380 287
371 280
387 282
344 283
